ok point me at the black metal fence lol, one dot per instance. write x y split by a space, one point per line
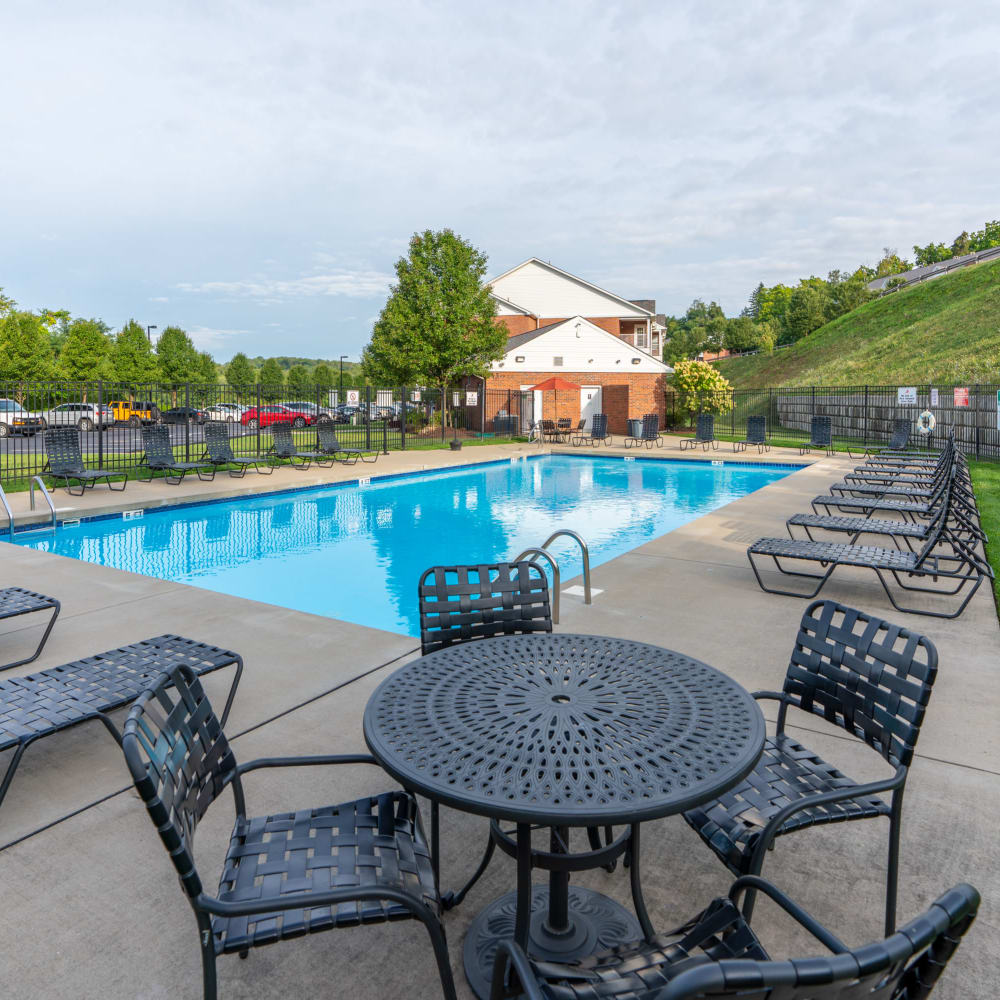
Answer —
863 415
111 416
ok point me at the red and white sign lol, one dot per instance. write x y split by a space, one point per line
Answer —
353 397
962 397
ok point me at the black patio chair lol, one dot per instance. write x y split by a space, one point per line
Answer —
756 435
330 445
284 446
219 452
598 433
704 434
65 462
650 433
869 677
287 874
159 456
16 601
718 955
899 440
820 436
550 431
564 426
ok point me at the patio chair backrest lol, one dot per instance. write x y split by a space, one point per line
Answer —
62 445
599 425
283 442
904 966
756 430
156 444
180 761
650 426
821 432
871 678
548 425
705 430
564 423
900 434
217 441
326 434
459 603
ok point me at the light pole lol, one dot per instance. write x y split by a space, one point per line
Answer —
341 394
149 333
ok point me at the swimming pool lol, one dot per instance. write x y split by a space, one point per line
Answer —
356 552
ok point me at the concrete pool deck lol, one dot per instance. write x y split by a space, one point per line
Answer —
91 904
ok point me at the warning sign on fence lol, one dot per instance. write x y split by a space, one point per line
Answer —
934 398
353 397
906 395
456 399
962 397
472 399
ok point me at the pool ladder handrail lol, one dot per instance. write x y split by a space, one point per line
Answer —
45 493
10 516
543 551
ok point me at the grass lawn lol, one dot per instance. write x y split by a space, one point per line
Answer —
986 483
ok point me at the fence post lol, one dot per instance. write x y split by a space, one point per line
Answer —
866 418
770 411
100 423
187 422
482 412
385 432
257 449
813 412
732 415
979 396
444 410
402 419
368 418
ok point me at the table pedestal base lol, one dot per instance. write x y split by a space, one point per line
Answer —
596 923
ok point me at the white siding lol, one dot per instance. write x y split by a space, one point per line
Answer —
548 293
505 309
594 350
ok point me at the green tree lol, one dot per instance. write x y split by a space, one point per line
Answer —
208 372
806 309
25 350
981 239
324 378
240 372
438 324
742 334
700 388
298 381
931 254
846 292
7 304
272 379
85 351
177 359
132 358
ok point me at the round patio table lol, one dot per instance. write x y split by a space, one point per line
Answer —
562 730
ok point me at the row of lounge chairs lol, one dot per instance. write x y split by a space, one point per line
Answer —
66 463
923 507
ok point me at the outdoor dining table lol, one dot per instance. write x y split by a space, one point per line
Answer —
561 731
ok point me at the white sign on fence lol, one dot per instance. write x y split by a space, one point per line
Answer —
456 399
353 397
906 395
415 396
934 397
472 399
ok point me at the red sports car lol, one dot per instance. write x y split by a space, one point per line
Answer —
275 414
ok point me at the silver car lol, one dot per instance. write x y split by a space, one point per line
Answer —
83 416
15 419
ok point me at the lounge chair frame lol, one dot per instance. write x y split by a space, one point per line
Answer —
329 444
820 437
704 434
158 456
16 601
65 461
598 433
283 447
219 452
756 434
650 433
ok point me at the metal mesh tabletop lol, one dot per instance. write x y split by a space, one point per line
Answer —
564 729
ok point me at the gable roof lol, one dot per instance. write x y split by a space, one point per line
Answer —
525 338
572 277
512 305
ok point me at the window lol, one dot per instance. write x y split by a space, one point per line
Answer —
557 362
640 337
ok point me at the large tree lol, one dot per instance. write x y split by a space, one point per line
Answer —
84 353
25 350
438 324
324 378
240 372
177 358
132 358
299 383
272 379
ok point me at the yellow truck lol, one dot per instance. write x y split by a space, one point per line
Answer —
135 413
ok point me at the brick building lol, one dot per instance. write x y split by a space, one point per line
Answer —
558 324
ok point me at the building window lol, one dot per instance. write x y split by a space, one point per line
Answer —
557 362
640 337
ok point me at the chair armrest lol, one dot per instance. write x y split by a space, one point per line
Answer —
769 695
305 900
261 762
793 909
510 950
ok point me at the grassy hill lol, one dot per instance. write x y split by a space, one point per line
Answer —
947 330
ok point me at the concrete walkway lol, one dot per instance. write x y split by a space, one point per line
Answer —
91 904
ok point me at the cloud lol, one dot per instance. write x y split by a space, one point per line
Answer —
159 298
351 284
214 341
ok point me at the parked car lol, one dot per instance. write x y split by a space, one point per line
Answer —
184 415
230 412
135 413
303 406
276 414
15 419
83 416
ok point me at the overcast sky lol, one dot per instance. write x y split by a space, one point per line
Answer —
251 171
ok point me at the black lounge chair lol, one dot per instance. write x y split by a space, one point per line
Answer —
16 601
331 446
650 433
717 955
899 441
704 434
962 566
287 874
551 432
159 456
865 675
65 461
756 435
820 436
47 702
598 432
284 447
219 452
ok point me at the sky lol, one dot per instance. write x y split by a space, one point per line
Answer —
252 171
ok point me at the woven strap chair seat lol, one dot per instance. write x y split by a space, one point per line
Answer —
16 601
641 968
869 556
868 503
373 842
870 525
914 492
787 772
50 700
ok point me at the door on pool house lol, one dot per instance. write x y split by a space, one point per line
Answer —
590 403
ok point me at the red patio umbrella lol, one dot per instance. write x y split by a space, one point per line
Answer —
555 384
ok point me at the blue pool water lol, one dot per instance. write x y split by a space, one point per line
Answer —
357 552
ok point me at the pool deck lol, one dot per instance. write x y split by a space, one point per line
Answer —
92 907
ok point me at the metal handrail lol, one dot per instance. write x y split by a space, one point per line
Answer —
545 554
10 516
586 557
48 499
